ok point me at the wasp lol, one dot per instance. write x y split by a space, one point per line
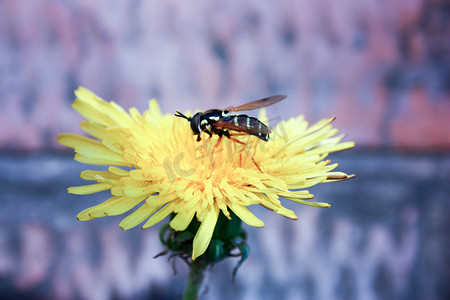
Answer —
221 121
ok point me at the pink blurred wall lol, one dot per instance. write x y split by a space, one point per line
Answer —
380 67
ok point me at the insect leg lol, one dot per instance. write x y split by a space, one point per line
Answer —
203 148
249 150
207 140
215 147
212 154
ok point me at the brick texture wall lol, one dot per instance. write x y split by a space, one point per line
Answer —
381 67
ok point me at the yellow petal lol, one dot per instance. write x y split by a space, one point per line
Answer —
159 215
161 199
95 130
91 175
111 207
182 220
86 95
315 204
91 113
89 189
143 191
96 109
119 115
204 233
245 215
303 194
307 183
138 216
280 210
118 171
89 148
99 162
153 109
285 212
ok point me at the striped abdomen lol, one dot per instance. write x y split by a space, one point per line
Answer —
250 125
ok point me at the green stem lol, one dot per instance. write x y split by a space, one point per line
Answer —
196 275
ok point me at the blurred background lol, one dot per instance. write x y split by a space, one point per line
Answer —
380 67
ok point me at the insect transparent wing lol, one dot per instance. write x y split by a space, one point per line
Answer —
258 103
243 123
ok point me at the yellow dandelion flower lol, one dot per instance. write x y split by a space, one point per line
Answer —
155 161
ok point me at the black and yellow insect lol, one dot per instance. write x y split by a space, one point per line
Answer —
221 121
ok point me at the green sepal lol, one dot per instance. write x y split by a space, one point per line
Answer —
228 236
245 251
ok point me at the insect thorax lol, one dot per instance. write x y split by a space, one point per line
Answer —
211 116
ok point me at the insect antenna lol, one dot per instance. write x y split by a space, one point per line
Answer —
178 114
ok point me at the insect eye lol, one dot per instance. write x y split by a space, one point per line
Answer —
195 123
